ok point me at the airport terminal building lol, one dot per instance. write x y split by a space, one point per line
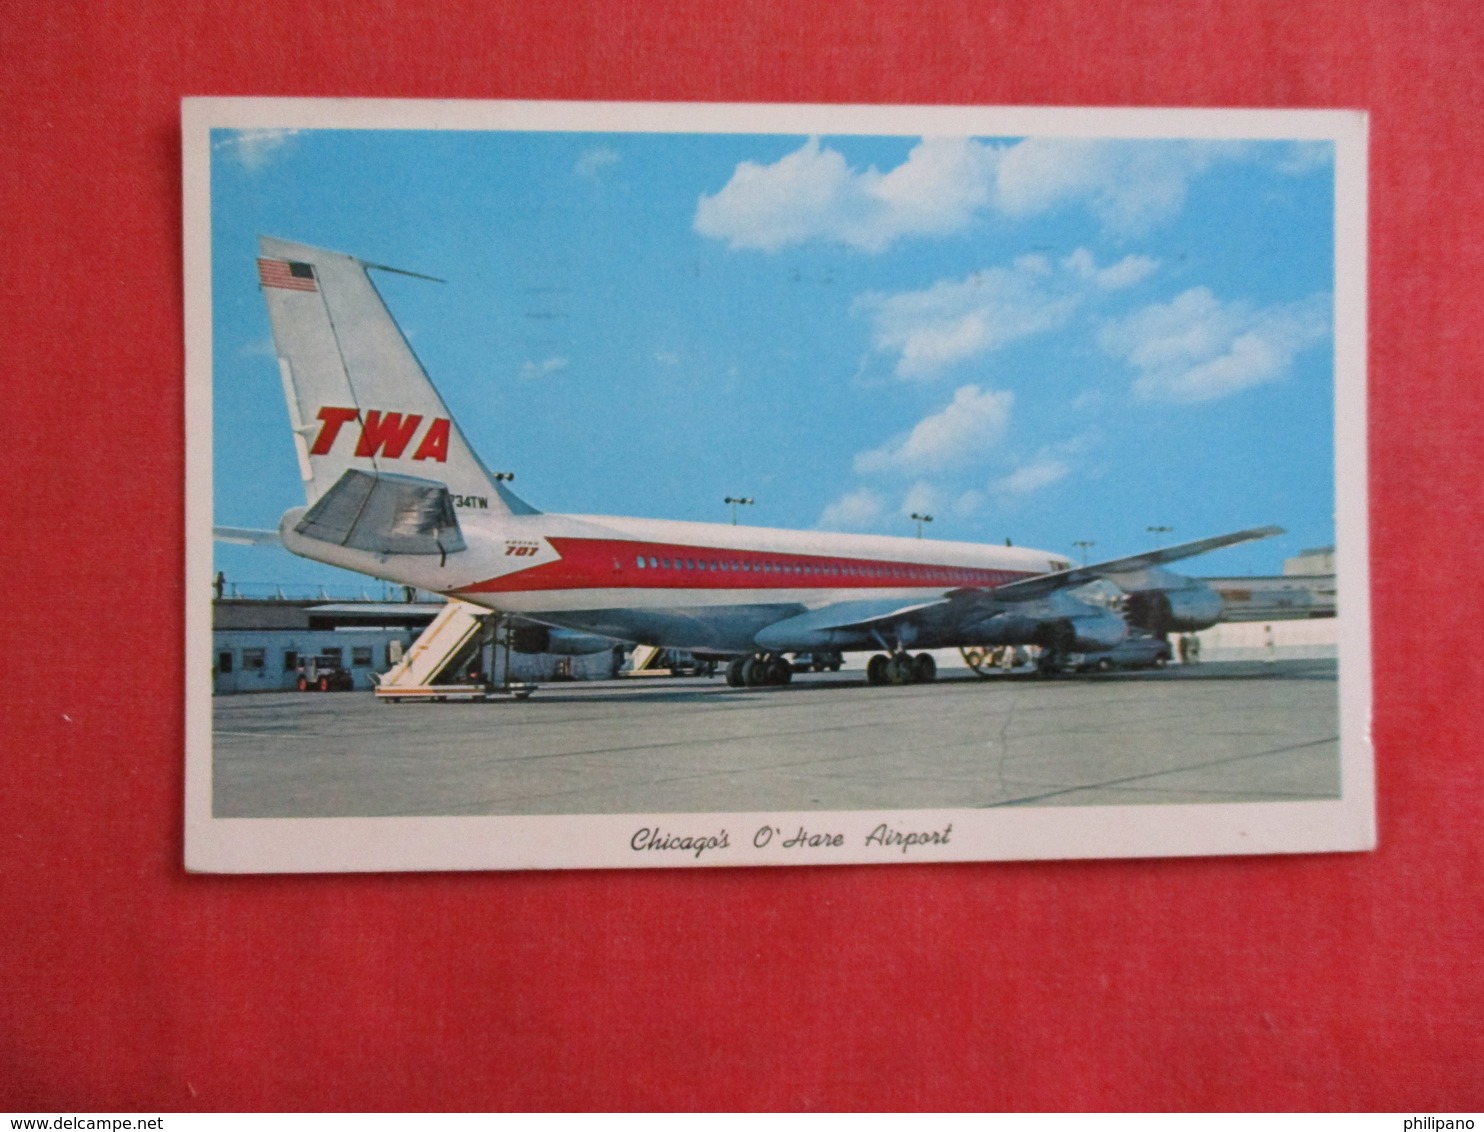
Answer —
259 645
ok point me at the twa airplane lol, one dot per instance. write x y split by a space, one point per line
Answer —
395 491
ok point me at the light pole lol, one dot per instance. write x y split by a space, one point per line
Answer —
1084 543
921 519
1156 532
734 500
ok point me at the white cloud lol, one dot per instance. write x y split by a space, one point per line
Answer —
1131 269
1129 185
532 370
667 357
812 194
594 161
1197 348
853 511
959 434
954 320
252 149
1032 477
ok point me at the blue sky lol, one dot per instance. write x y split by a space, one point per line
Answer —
1049 340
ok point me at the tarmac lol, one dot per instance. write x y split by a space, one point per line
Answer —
1228 732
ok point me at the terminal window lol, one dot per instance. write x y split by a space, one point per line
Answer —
224 662
360 656
254 660
290 660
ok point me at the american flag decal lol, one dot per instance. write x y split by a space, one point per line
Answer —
286 274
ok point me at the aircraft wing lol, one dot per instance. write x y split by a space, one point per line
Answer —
846 616
1028 589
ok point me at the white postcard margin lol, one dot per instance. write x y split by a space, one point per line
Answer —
298 845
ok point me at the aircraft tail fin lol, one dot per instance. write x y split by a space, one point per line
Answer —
358 398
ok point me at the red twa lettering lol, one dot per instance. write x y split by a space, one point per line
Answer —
333 419
383 434
388 434
435 442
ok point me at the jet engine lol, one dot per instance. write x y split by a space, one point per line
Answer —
1174 611
1097 631
528 638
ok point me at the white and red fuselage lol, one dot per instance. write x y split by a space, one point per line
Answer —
708 587
396 491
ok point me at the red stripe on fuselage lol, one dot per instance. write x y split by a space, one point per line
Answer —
615 564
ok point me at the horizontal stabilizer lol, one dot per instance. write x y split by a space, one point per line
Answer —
385 513
1029 589
246 536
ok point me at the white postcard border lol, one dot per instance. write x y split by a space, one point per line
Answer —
238 845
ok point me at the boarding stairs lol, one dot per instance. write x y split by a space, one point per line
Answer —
430 669
646 662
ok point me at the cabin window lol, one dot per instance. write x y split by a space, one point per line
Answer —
639 562
654 564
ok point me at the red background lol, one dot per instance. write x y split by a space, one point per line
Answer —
1325 982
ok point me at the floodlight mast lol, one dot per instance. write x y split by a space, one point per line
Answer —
734 500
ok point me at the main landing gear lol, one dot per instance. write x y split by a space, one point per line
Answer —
759 671
901 668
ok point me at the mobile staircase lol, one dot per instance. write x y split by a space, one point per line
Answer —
430 669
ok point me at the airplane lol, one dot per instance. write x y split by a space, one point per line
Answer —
394 490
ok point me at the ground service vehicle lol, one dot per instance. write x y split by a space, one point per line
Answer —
324 674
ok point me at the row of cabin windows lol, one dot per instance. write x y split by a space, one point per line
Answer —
256 660
956 573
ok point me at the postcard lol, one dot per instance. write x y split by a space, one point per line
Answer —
619 485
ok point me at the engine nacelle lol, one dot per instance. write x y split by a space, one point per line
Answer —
530 639
1092 632
1174 611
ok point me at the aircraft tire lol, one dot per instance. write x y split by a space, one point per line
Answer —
876 669
755 672
924 668
899 670
780 672
735 676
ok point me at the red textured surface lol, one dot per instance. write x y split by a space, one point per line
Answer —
1328 982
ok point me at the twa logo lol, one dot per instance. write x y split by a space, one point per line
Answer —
383 434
